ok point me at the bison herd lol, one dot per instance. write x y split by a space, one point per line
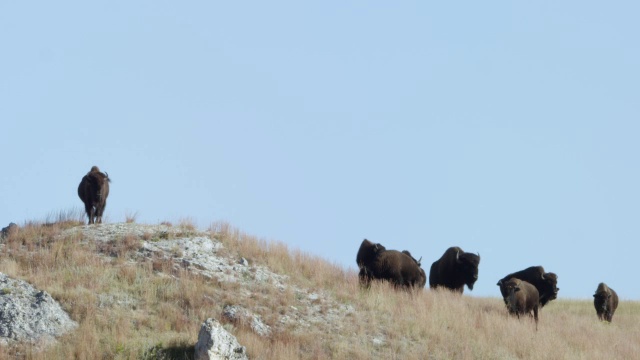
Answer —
524 292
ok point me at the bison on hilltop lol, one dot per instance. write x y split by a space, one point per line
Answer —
454 270
545 283
399 268
522 298
605 301
93 191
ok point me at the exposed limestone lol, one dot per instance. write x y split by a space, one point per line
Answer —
215 343
238 315
200 253
29 315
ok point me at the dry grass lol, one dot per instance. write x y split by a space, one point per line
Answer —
153 309
130 218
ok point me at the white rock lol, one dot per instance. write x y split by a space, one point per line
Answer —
241 316
29 315
215 343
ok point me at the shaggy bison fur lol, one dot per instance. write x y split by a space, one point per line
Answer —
399 268
545 283
454 270
605 301
93 191
522 298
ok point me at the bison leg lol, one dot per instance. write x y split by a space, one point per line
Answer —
92 219
100 211
89 210
365 278
535 316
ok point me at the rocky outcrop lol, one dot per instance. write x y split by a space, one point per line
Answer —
29 315
243 317
202 254
215 343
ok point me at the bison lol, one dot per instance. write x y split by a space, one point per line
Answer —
545 283
606 302
10 229
454 269
522 298
399 268
414 259
93 191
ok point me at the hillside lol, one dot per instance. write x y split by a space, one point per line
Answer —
143 291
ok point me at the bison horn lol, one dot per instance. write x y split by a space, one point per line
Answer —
419 260
542 276
499 283
458 256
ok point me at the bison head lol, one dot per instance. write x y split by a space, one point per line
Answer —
601 297
550 285
368 252
468 264
367 255
512 286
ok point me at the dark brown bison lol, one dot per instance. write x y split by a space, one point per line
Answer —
93 191
414 259
522 298
606 302
399 268
545 283
10 229
454 269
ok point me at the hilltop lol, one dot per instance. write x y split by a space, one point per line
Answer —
143 291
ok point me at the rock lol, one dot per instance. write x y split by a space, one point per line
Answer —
241 316
231 313
6 231
259 327
215 343
29 315
200 253
377 341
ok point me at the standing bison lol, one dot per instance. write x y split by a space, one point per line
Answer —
399 268
522 298
454 269
93 191
545 283
606 302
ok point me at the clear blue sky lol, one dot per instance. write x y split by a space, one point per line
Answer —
507 128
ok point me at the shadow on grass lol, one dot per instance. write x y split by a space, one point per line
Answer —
173 352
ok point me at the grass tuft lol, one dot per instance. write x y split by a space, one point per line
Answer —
130 218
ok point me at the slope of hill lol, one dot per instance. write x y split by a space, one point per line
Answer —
142 291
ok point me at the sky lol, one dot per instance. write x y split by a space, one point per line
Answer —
509 129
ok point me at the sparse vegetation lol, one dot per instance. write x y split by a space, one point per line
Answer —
130 217
129 308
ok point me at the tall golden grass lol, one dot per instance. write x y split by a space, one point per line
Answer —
152 309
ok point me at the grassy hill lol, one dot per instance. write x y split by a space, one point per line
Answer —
131 306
